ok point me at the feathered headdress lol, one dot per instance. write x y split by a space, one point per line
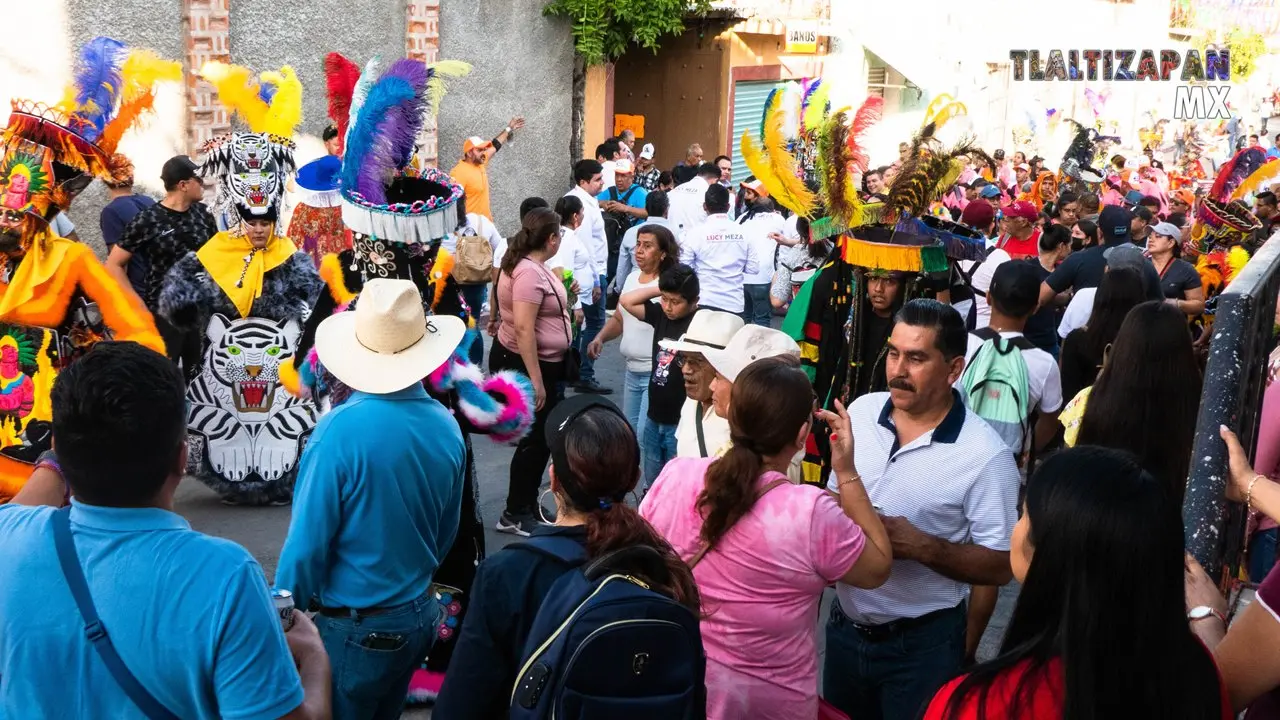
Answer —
942 109
814 106
341 76
270 103
381 198
774 166
140 75
1235 171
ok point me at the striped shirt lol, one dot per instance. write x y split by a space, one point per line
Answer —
957 482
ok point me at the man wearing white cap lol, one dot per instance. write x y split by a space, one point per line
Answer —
763 225
701 430
749 344
378 496
472 171
647 173
622 206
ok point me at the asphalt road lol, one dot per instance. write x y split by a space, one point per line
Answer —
262 529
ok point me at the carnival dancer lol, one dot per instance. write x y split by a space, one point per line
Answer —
399 216
249 290
56 299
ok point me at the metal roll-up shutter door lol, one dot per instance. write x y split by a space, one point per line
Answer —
748 105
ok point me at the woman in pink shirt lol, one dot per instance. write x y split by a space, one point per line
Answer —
763 549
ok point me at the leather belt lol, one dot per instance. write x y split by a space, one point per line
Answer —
885 631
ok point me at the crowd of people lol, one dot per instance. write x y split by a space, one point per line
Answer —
989 380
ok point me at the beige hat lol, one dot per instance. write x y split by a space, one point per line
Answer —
751 343
387 343
708 330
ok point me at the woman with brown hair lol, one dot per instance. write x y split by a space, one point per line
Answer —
533 338
764 549
595 465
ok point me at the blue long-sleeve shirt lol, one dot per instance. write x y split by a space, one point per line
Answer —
377 502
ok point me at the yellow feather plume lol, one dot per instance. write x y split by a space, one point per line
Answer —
773 166
1269 170
936 105
948 112
142 71
440 71
238 91
1237 258
815 114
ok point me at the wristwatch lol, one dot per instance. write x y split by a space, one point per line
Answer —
1200 612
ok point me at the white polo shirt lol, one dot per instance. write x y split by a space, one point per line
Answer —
718 251
758 228
687 202
591 231
957 482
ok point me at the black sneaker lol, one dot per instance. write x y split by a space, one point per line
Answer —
520 525
593 387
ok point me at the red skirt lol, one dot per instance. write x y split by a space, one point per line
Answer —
319 231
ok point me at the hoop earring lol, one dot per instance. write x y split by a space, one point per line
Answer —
542 515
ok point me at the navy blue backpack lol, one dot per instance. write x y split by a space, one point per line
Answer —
603 645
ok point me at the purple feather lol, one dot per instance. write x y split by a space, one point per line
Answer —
97 82
386 130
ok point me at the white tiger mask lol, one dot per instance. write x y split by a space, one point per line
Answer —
246 355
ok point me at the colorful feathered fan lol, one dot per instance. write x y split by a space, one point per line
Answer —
814 106
1235 171
774 166
1269 171
142 73
90 100
242 93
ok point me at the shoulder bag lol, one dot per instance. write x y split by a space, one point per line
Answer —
93 628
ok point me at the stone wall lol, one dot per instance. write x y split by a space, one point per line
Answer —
522 64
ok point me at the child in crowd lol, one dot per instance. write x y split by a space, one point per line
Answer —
678 288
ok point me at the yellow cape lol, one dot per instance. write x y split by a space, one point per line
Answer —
238 269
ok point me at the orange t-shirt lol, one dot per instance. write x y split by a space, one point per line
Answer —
474 180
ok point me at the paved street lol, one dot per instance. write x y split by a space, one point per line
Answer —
262 530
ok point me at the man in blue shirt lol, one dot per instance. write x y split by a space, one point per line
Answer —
124 204
378 497
189 615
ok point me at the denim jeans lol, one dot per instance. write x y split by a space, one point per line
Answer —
757 308
635 405
1262 553
593 314
895 677
658 447
372 684
474 295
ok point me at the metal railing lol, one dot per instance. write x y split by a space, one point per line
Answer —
1234 383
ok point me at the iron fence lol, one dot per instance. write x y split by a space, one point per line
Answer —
1234 382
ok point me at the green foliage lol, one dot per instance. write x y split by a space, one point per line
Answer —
604 29
1246 47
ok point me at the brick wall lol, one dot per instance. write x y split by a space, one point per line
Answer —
207 26
422 42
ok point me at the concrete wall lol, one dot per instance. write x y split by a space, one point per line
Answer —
266 34
522 65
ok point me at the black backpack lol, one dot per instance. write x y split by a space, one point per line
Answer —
603 646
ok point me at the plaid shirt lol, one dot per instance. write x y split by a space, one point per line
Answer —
649 179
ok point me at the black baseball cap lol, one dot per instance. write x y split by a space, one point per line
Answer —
1015 288
176 169
1114 222
559 421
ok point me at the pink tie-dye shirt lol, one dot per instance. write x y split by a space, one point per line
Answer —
761 588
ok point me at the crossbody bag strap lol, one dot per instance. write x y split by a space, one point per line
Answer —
93 629
697 424
702 552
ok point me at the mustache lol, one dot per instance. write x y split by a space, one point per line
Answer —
10 239
901 384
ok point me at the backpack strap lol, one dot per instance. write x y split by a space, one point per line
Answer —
986 333
93 629
627 197
613 193
702 552
557 547
697 425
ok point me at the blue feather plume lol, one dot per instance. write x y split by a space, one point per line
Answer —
97 85
267 91
381 141
764 117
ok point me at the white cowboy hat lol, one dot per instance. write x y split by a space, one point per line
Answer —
751 343
708 330
387 343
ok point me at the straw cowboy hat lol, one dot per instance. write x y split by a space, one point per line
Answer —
387 343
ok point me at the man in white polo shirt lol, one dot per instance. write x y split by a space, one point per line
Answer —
687 199
720 253
587 184
947 488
